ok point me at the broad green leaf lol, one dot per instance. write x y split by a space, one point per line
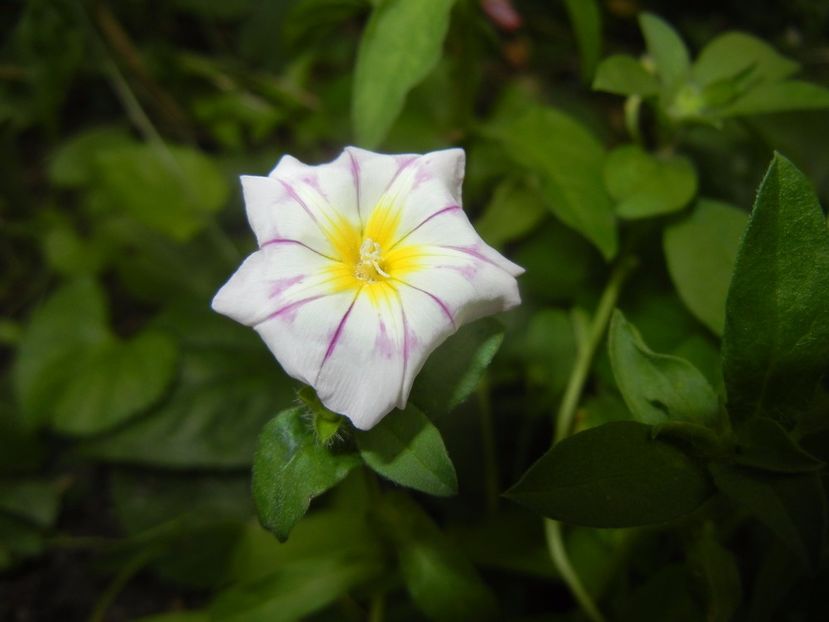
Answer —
764 444
73 373
657 387
291 468
73 163
645 185
295 592
188 525
171 189
778 97
407 449
116 381
613 475
69 324
228 388
34 500
586 19
731 53
337 532
793 507
568 160
720 577
666 48
454 370
624 75
401 44
776 341
440 579
702 276
513 212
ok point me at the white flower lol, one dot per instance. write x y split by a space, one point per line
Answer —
365 265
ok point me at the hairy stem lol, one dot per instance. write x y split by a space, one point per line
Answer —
589 339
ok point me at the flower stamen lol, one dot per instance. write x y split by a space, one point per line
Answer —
368 267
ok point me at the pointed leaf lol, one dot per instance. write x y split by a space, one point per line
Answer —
657 387
776 341
624 75
613 475
666 48
408 449
291 468
401 44
764 444
731 53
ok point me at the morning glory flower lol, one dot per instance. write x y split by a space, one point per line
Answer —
365 265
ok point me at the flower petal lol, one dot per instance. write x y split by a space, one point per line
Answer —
315 205
363 367
273 278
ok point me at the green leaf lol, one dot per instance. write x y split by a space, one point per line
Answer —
331 532
454 370
513 212
188 525
666 48
74 373
228 388
764 444
440 579
657 387
613 475
776 341
645 185
778 97
295 592
793 507
624 75
717 567
171 189
34 500
586 19
18 540
568 160
732 53
407 449
702 278
73 163
291 468
115 382
401 44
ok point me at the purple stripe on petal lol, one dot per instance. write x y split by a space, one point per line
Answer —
440 303
473 251
449 209
335 338
288 312
277 241
293 194
280 285
355 174
383 344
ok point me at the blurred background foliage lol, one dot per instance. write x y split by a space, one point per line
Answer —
129 412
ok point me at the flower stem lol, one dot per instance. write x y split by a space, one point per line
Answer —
588 342
587 349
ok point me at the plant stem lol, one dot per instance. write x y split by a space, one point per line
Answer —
586 352
588 344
